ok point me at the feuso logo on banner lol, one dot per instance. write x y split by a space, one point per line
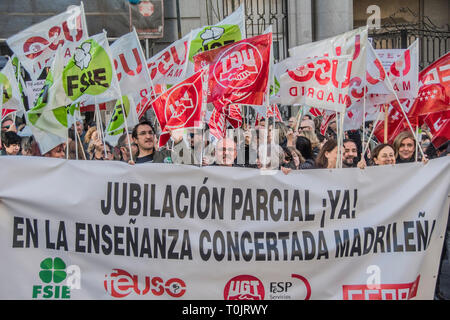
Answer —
89 72
53 273
214 37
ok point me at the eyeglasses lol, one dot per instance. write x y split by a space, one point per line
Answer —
6 127
144 133
305 128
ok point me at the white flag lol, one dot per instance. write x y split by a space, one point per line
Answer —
129 61
36 46
169 66
353 44
12 98
321 83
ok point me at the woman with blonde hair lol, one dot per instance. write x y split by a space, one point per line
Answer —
405 147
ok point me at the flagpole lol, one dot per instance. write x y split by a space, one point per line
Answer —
75 133
386 114
417 143
364 117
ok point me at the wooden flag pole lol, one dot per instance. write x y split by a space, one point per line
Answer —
386 114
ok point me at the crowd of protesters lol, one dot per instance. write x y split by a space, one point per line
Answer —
273 145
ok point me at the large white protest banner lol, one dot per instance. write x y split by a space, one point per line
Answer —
108 230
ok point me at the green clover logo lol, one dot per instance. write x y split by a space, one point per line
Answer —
53 269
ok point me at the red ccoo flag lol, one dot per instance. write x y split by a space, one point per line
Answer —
434 92
439 124
180 107
238 72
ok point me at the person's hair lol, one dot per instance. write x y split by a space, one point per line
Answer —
322 160
312 137
88 135
303 145
376 151
400 137
122 142
144 122
10 137
73 153
293 150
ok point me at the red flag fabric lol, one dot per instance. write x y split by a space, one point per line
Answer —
6 112
396 124
434 91
328 117
234 116
217 124
145 104
238 72
439 124
274 111
230 114
180 107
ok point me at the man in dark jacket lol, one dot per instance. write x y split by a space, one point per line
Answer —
144 136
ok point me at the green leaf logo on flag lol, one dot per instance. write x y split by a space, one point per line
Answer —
212 37
117 119
7 89
89 71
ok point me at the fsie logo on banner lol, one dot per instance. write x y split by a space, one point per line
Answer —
120 284
53 273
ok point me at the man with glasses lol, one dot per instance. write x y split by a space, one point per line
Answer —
144 137
226 153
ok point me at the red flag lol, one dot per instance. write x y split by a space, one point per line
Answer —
439 124
273 110
434 93
316 112
328 117
6 112
234 116
146 102
396 123
230 114
217 124
180 107
238 72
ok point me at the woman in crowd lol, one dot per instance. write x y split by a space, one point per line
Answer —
303 145
328 155
383 154
405 147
